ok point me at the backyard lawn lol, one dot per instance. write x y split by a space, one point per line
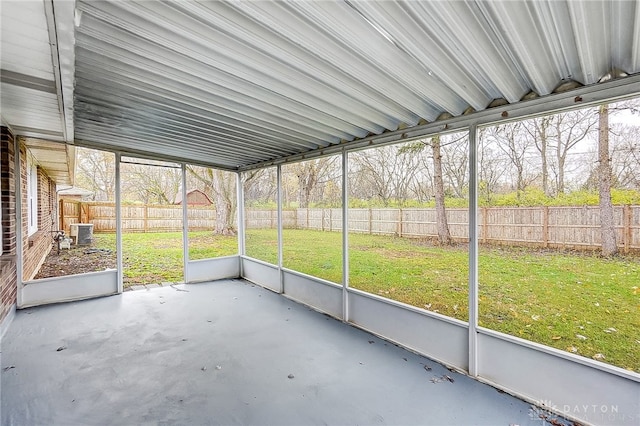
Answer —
575 302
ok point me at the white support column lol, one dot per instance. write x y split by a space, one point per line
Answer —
279 203
119 265
240 218
185 224
19 245
473 251
345 236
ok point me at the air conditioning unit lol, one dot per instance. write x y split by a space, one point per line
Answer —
82 233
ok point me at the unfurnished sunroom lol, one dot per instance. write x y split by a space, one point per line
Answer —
457 178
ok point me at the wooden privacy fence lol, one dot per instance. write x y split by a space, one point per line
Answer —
559 227
135 218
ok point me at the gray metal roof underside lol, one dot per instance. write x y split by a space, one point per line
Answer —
241 83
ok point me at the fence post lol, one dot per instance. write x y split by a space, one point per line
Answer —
485 224
399 222
626 228
545 226
322 219
61 219
330 220
145 218
307 214
370 221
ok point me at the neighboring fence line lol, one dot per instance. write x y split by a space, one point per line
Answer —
563 227
135 218
553 227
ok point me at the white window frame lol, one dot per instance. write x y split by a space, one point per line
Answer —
32 196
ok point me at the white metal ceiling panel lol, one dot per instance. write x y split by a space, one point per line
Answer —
31 91
238 83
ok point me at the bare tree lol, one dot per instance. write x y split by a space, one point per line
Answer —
383 174
434 143
539 129
455 162
96 171
311 177
625 157
222 187
509 139
259 186
608 232
491 167
151 183
444 236
571 128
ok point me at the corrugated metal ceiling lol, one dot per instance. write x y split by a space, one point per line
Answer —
239 83
33 80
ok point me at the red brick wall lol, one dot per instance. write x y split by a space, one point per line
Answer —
8 278
35 247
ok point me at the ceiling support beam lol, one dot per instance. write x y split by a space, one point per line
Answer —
577 98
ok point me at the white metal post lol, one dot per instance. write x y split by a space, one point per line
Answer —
185 224
473 251
240 218
345 236
279 203
19 245
119 265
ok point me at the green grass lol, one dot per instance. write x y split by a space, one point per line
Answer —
157 257
546 297
542 296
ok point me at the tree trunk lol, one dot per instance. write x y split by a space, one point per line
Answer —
444 236
543 156
608 232
224 208
561 162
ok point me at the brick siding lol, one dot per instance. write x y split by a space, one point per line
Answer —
35 246
8 277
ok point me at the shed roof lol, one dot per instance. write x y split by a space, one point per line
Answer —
236 84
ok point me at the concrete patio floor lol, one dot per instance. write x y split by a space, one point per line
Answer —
225 352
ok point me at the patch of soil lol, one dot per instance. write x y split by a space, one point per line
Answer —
77 260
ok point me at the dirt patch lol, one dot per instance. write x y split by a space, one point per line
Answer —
77 260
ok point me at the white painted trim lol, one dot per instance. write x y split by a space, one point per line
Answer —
18 223
185 225
535 373
607 368
444 341
345 236
119 262
411 308
213 269
321 295
240 214
262 273
311 277
279 225
70 287
473 251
